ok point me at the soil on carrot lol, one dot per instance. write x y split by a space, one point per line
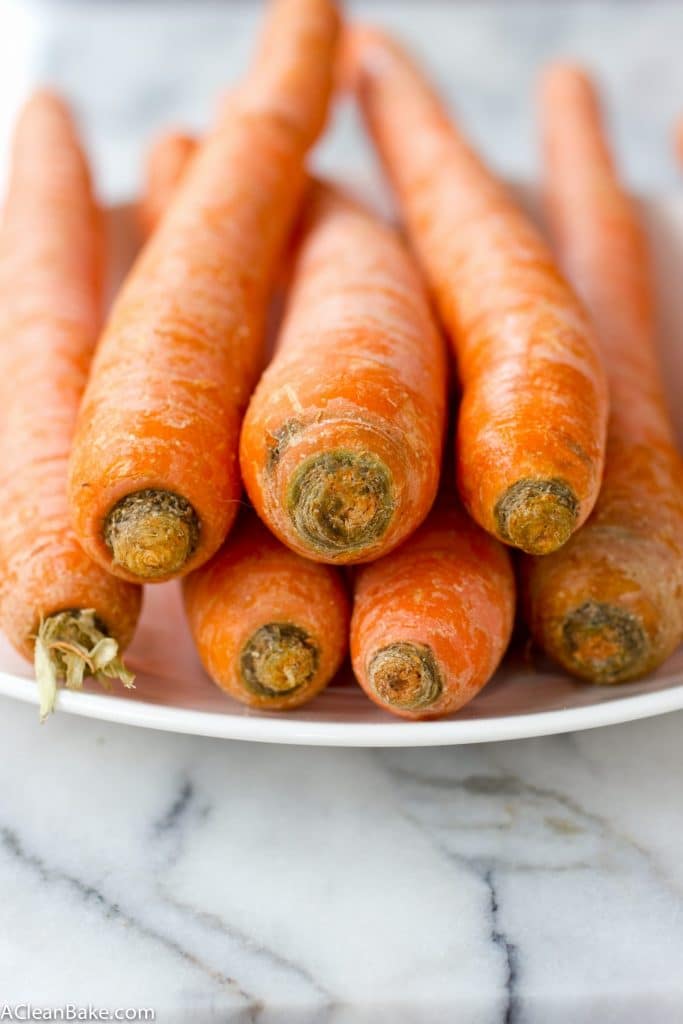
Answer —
604 643
406 676
280 440
278 659
537 516
341 501
152 533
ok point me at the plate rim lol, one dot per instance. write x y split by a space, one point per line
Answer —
288 730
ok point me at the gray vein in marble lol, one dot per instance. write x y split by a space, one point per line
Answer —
215 923
485 873
492 884
171 829
490 866
173 825
508 948
513 786
170 820
12 845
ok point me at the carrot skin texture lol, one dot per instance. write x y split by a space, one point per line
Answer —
168 158
342 441
609 606
183 346
531 429
50 297
253 593
447 597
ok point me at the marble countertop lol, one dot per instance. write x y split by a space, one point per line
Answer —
535 881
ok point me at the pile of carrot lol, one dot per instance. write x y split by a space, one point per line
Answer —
157 441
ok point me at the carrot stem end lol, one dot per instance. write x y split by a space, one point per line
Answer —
152 533
341 502
538 516
405 676
604 643
278 659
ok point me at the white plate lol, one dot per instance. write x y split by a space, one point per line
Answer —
172 692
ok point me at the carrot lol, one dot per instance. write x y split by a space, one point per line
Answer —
168 158
341 444
531 431
432 620
154 482
56 606
271 627
609 606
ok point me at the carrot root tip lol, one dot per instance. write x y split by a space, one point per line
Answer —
152 533
538 516
278 659
604 643
70 645
406 676
341 501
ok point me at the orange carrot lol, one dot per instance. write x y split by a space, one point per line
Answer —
432 620
341 444
531 431
56 606
154 483
167 160
271 628
609 606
